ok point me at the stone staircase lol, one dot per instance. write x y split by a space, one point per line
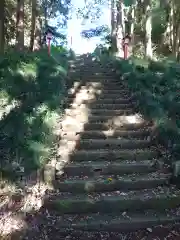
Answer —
110 179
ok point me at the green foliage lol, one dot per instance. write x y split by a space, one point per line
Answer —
128 3
155 87
32 91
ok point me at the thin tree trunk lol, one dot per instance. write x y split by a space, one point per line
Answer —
2 26
133 7
132 21
148 26
45 13
37 37
120 30
113 27
20 25
176 41
33 24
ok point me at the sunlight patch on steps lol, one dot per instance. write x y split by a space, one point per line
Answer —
86 93
31 201
83 96
75 122
109 133
10 224
120 120
74 87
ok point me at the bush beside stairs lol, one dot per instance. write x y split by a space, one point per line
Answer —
112 178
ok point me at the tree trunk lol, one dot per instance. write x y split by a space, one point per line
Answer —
37 37
20 25
113 27
120 30
148 27
33 24
132 25
2 27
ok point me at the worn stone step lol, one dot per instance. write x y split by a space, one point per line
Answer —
114 112
108 79
102 127
80 99
76 124
93 168
119 120
134 118
90 75
105 82
108 87
109 202
102 106
120 92
128 134
112 144
77 225
104 183
112 155
102 112
107 92
111 126
114 101
115 96
110 106
108 120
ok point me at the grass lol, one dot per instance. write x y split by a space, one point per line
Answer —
32 92
156 87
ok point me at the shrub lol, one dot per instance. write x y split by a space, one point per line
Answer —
32 91
156 88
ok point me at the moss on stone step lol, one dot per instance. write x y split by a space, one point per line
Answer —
123 126
110 106
112 155
121 222
113 183
113 144
114 203
124 167
119 134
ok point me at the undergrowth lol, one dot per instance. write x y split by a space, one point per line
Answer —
156 87
32 91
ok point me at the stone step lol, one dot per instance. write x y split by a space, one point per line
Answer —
105 183
111 144
107 120
106 126
107 87
114 95
113 202
93 99
106 92
103 83
120 92
77 225
93 168
137 134
114 121
107 79
112 155
103 106
90 75
74 123
101 112
134 118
